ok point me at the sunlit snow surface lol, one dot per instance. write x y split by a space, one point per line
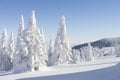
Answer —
105 69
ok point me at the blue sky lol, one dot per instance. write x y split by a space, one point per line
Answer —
87 20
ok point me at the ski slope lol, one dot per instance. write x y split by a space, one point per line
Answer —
105 69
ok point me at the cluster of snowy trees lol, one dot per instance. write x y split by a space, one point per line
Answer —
6 51
29 52
83 54
90 53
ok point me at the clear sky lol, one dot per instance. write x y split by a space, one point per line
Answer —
87 20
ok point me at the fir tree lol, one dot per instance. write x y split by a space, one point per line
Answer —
62 48
11 47
5 60
34 41
21 51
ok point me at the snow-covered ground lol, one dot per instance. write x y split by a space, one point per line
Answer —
105 69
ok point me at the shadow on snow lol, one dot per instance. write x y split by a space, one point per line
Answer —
110 73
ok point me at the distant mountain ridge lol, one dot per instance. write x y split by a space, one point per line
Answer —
105 42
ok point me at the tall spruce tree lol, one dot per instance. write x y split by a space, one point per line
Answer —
11 46
21 51
62 52
5 60
33 40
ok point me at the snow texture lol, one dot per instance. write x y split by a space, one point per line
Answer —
104 69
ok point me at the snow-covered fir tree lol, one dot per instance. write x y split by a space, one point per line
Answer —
117 51
20 32
62 52
76 56
21 52
90 51
50 53
11 47
21 28
43 44
5 60
34 41
4 39
21 57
